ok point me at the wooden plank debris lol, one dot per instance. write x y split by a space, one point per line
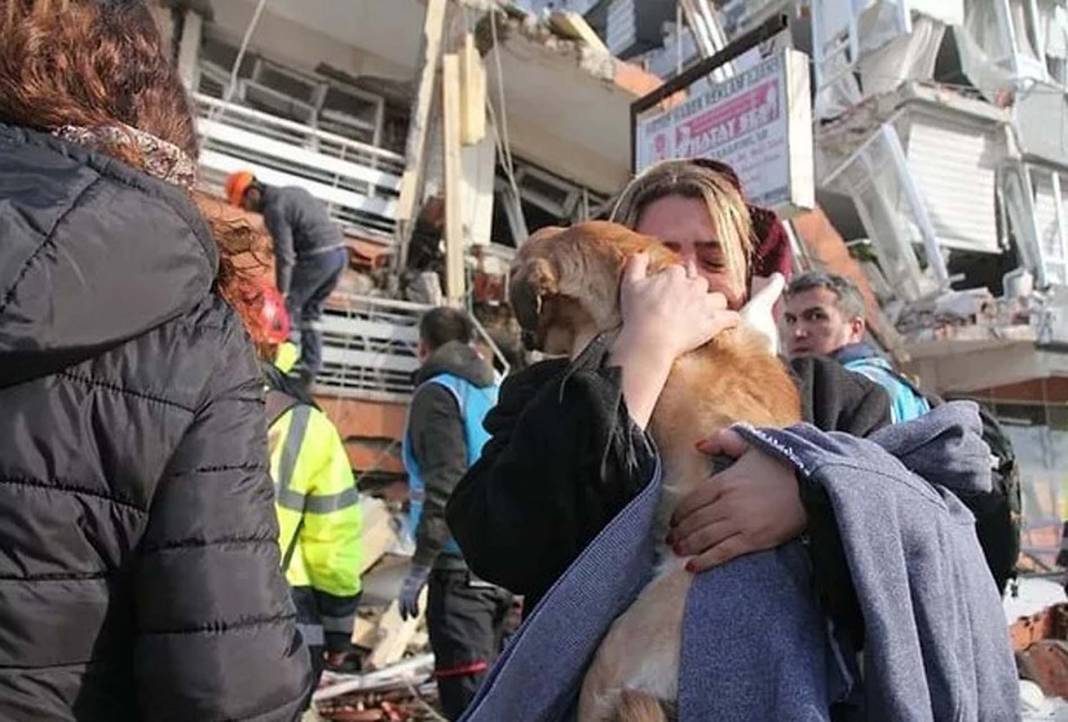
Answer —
411 182
572 25
473 89
379 532
394 635
454 226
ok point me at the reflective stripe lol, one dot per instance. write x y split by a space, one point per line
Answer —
288 462
313 634
318 504
338 624
291 449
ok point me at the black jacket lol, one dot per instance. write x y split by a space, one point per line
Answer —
565 458
438 444
139 564
299 227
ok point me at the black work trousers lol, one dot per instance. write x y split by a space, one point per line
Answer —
465 618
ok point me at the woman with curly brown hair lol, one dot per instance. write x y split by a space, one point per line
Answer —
139 565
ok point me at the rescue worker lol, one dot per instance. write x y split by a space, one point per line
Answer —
309 252
444 436
316 499
824 316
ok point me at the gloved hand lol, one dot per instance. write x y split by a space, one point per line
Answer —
410 589
758 314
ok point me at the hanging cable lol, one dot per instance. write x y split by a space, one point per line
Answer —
500 127
231 85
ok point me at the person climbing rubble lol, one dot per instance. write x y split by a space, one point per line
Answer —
310 256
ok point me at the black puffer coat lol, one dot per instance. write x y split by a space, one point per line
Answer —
139 564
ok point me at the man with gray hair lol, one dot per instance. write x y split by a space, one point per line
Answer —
824 316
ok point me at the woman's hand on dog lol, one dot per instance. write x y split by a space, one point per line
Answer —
753 505
664 316
670 312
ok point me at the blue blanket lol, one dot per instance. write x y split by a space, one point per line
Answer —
755 644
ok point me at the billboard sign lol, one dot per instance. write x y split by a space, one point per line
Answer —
759 122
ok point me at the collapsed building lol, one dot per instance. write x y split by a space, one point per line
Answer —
375 108
441 133
939 138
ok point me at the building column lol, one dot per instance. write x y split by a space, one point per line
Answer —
189 48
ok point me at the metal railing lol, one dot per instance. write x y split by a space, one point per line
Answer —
359 183
370 347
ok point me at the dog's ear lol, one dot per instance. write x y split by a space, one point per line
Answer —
532 280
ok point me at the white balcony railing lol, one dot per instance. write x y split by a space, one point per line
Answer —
369 347
359 183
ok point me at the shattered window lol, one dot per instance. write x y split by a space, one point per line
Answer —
1049 219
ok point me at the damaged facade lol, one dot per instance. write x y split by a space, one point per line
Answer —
440 133
940 155
342 101
940 143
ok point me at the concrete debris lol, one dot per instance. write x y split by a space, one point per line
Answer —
425 288
975 306
541 32
391 706
392 655
1035 706
383 533
1046 663
394 636
574 26
1041 644
402 692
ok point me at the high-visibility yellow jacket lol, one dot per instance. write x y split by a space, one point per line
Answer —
318 506
319 518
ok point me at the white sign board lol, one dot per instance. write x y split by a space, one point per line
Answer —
759 122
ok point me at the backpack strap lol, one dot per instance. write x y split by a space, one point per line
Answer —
282 393
278 402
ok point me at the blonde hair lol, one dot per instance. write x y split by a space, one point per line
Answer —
727 209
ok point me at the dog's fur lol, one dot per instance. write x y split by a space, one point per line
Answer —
564 291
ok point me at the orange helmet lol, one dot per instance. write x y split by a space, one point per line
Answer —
236 185
275 318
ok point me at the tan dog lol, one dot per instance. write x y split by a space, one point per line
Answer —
564 290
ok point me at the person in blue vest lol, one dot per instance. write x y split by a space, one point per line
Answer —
455 388
824 316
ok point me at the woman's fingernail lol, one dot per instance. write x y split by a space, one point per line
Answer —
691 567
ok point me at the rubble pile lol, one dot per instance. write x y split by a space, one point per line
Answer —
388 677
397 701
939 314
1041 644
1038 627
